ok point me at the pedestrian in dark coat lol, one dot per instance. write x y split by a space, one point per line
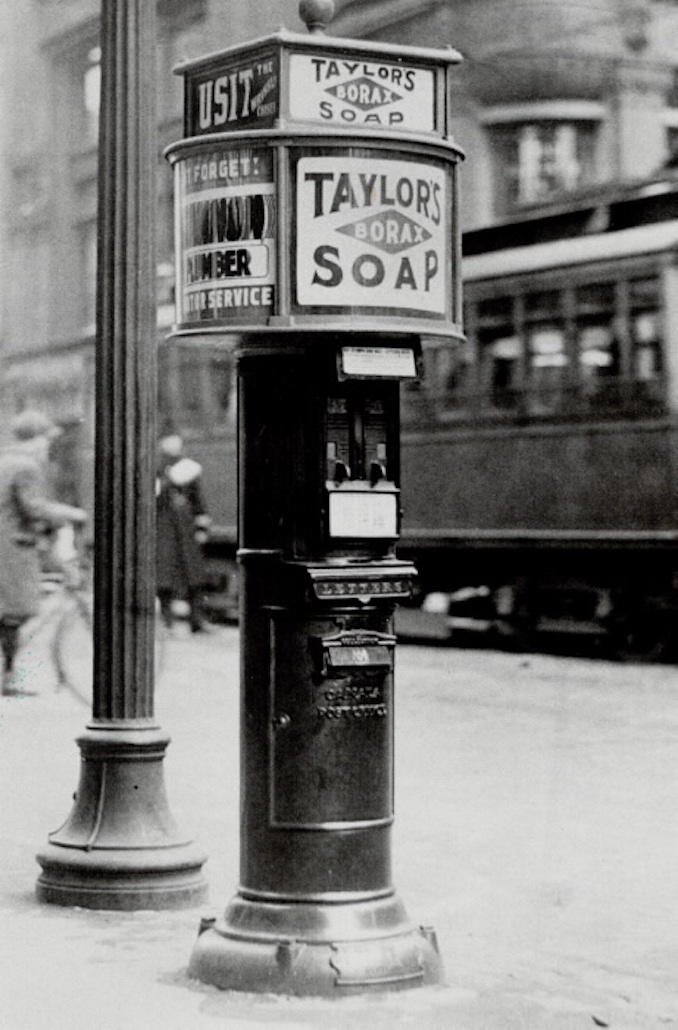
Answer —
25 514
182 525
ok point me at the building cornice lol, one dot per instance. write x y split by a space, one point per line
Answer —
363 19
543 110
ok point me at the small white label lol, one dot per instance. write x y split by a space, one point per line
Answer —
359 515
379 361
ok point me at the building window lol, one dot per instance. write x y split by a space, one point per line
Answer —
88 258
536 161
672 145
76 65
91 93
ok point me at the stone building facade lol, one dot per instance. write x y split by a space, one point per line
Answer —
551 98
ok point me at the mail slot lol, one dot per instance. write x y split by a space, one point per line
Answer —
360 657
348 653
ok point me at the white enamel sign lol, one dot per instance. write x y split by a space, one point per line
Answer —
379 361
354 92
372 233
363 515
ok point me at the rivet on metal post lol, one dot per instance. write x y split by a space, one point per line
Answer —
317 14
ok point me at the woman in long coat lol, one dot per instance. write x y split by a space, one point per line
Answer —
182 523
25 513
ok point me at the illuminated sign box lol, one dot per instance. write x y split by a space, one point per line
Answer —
316 190
287 78
299 237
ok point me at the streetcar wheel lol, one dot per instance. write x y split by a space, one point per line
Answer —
515 635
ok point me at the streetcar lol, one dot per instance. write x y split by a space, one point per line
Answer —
540 457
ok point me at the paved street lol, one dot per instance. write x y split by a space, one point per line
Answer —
536 830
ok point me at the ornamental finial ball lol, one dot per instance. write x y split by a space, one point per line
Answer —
317 14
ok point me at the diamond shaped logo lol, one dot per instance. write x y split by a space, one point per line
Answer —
390 231
364 93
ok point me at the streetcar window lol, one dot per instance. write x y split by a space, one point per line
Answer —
595 298
454 373
597 345
497 309
598 353
502 369
500 352
578 348
647 350
544 304
547 355
645 329
644 292
548 364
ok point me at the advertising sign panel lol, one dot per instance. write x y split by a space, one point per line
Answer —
373 233
361 93
226 232
238 95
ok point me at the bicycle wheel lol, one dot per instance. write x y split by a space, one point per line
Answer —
73 648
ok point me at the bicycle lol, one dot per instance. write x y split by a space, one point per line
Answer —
63 630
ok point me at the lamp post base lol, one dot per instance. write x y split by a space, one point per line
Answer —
315 948
120 848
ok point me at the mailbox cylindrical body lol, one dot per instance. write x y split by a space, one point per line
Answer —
316 910
318 646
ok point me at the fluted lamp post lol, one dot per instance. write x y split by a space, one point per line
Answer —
120 847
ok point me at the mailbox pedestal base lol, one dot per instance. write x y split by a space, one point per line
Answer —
316 948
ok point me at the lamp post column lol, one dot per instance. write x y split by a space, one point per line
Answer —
120 847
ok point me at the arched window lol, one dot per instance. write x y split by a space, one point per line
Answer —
541 150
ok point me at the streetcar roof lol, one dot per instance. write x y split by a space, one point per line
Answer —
642 239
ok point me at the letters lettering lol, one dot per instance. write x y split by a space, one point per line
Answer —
227 98
332 192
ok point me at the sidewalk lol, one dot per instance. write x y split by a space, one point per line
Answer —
536 803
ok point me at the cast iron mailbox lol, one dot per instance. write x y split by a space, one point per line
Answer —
317 233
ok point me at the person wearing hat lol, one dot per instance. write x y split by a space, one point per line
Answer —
182 526
25 512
